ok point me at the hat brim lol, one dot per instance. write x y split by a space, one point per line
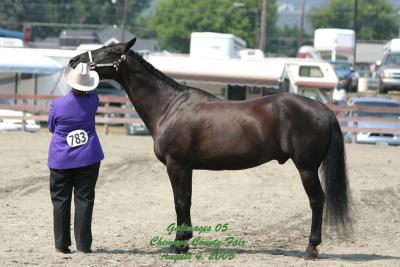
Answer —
91 85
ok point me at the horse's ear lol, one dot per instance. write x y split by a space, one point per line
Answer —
129 44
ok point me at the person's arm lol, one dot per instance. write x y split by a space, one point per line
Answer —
51 121
97 99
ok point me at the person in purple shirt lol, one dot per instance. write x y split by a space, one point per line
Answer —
74 158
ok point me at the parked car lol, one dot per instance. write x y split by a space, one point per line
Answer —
107 88
322 96
137 127
344 70
388 72
371 137
15 124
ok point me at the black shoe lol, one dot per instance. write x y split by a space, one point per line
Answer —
85 250
64 250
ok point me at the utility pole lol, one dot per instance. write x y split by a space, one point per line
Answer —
398 13
124 20
264 18
355 14
300 39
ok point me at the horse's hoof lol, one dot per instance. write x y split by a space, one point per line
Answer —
178 249
311 253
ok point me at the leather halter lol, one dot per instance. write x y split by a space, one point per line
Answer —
114 64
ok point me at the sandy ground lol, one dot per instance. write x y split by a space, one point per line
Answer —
264 206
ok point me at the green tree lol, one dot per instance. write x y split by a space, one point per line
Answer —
284 41
14 12
376 20
175 20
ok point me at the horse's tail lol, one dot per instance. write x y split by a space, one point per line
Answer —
334 173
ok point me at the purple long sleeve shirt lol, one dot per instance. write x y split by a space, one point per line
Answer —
72 121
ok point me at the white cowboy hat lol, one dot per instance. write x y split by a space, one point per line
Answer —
81 78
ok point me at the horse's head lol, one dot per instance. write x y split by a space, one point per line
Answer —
105 60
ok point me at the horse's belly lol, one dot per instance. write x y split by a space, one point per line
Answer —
228 152
231 161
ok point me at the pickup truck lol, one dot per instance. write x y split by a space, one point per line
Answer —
388 72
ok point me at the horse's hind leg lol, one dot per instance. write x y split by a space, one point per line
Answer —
316 197
181 181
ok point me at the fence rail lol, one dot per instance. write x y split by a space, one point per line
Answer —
105 113
108 114
351 121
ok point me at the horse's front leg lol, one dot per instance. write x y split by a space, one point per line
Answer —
181 181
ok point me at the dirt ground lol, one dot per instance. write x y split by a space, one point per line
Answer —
266 207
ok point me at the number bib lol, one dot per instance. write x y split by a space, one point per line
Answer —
77 138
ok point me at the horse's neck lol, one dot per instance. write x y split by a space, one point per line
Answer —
149 95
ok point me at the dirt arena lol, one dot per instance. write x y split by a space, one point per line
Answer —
266 207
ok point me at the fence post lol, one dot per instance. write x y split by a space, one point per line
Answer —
23 128
106 116
355 125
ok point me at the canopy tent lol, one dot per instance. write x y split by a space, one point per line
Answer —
263 72
20 61
296 75
232 71
27 61
267 72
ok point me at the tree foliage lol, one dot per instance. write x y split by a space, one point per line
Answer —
14 12
375 21
175 20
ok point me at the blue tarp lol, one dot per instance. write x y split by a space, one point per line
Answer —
11 34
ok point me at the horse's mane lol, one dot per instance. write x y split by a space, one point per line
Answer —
174 84
158 73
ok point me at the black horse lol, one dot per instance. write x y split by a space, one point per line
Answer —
193 129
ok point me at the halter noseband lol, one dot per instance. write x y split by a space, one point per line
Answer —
114 64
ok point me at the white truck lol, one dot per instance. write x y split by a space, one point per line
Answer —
215 45
334 44
388 69
393 45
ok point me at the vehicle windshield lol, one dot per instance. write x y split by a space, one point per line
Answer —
322 96
341 65
4 101
392 60
378 115
133 116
